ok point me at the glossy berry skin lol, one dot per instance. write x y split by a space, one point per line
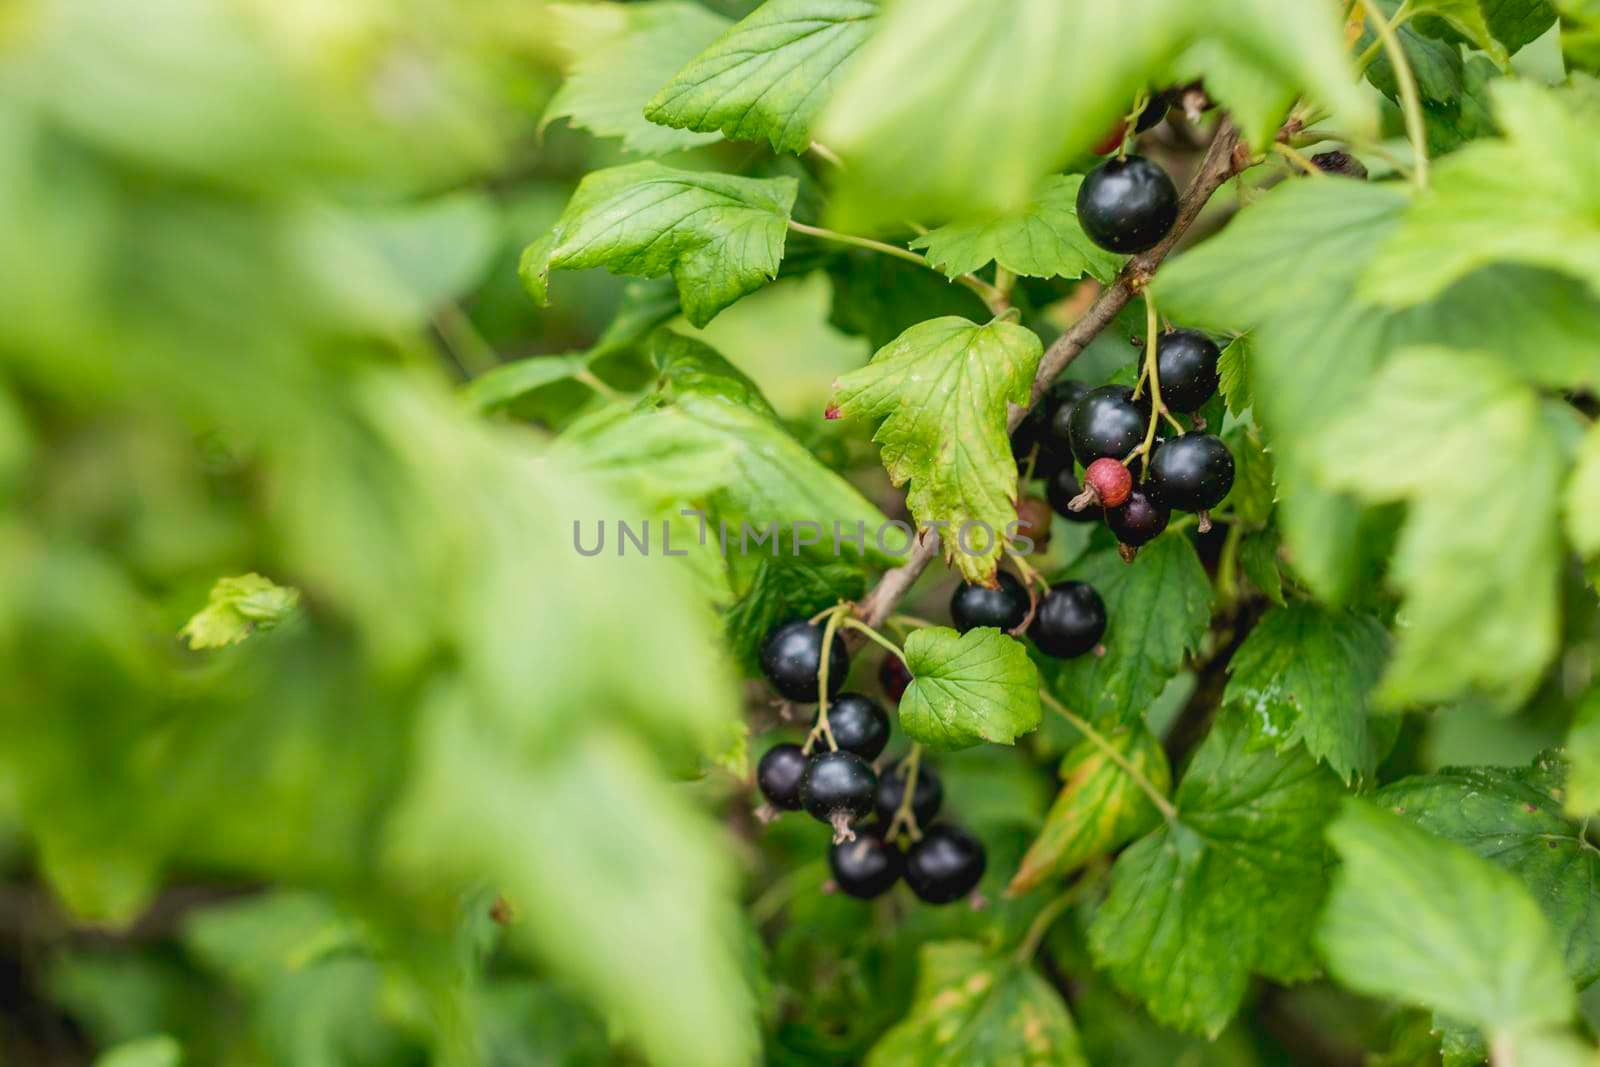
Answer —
1191 473
1127 205
893 676
1186 361
1340 163
1003 607
1153 112
1070 620
1110 480
1138 521
1037 429
945 865
838 783
867 867
859 725
779 773
790 658
1105 423
925 801
1060 490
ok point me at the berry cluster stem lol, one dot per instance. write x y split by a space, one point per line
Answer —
822 729
1153 376
905 819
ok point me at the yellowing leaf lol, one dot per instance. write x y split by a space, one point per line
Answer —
236 608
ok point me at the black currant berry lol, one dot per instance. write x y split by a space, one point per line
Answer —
1060 490
1105 423
893 676
791 656
925 800
945 865
1036 430
1139 521
838 788
866 867
1153 112
1004 606
1341 163
1127 205
859 725
1191 473
1069 621
1186 361
779 773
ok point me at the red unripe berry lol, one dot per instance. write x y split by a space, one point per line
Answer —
1110 481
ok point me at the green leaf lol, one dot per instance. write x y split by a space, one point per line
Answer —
1583 498
511 381
970 1007
1157 610
620 55
1466 17
1304 674
941 389
1228 889
1408 919
719 236
881 297
1233 368
1514 817
1099 807
768 76
920 142
656 457
1516 23
691 367
1530 198
1043 240
1480 569
1583 749
238 607
783 589
967 688
1258 558
1437 65
157 1051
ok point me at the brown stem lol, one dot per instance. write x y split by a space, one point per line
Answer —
1224 159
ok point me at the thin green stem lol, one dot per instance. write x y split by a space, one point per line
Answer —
823 152
1153 375
1410 98
465 343
1044 920
1228 564
589 378
904 817
911 622
993 298
1096 738
1298 158
850 622
822 729
1401 16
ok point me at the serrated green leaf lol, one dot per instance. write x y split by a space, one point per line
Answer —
511 381
968 688
1583 498
768 76
783 589
1233 370
689 366
1304 674
1406 920
237 607
941 389
620 54
971 1006
718 235
1228 889
1437 65
918 141
657 457
1529 198
881 297
1466 17
1514 818
1099 807
1583 749
1479 569
1043 240
1157 609
1516 23
1258 558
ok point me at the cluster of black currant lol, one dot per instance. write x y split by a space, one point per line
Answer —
838 784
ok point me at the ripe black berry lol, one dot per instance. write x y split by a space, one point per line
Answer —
893 676
1127 205
1004 606
1060 490
866 867
1153 112
1186 361
859 725
945 865
838 788
779 773
1191 473
925 800
1139 521
1105 423
791 656
1070 620
1341 163
1037 429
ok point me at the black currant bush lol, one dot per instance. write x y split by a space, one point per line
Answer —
461 466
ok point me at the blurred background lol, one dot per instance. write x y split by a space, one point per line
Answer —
257 264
